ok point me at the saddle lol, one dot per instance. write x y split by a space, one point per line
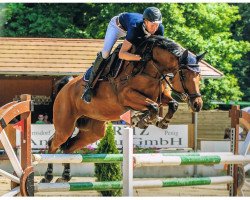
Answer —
112 67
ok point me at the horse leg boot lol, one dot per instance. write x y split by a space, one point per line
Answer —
48 176
53 147
88 91
66 174
150 117
172 108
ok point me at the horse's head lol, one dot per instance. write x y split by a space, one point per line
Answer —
187 79
169 57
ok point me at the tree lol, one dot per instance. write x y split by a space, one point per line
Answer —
201 27
241 30
108 171
44 20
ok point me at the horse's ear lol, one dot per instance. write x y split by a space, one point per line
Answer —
184 56
199 57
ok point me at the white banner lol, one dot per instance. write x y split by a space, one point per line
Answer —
176 136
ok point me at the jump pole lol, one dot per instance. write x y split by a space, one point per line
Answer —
139 160
108 158
114 185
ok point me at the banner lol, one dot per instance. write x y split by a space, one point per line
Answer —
176 136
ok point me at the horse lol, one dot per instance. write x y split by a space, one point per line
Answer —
140 86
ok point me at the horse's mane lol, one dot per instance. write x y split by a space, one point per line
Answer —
168 44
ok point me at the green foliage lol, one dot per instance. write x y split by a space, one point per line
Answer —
224 89
201 27
44 20
219 28
241 30
145 150
108 171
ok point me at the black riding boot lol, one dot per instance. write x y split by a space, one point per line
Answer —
88 91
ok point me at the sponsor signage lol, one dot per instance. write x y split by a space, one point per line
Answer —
176 136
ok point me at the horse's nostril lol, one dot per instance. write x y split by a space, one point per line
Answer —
196 107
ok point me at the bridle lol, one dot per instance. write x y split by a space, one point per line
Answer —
182 95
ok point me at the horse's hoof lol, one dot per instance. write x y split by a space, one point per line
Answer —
48 176
142 125
44 180
162 125
61 180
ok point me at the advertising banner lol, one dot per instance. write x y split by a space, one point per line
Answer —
175 136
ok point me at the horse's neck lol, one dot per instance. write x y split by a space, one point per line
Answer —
127 68
166 61
151 70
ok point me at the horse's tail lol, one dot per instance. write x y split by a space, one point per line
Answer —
56 89
59 85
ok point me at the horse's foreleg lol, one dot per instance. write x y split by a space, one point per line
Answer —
150 117
139 102
167 99
172 108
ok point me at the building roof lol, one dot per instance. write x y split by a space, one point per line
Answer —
56 56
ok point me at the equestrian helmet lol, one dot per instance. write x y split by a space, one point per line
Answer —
152 14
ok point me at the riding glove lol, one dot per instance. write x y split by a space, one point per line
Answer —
146 57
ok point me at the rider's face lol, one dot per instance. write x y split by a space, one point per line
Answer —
151 27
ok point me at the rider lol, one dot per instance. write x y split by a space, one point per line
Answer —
136 27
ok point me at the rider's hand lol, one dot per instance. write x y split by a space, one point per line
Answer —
146 57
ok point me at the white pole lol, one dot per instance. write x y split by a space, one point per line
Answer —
11 154
246 145
12 193
9 176
195 139
128 162
195 131
231 166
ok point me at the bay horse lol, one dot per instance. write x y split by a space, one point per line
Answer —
139 86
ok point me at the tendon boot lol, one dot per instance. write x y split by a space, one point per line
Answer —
88 91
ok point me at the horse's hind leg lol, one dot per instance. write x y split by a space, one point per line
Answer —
92 131
64 128
48 176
